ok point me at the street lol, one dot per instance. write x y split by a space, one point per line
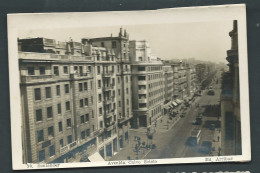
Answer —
173 143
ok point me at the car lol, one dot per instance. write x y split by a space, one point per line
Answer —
206 147
197 122
211 92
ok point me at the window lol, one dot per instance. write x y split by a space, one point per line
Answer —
102 44
67 88
118 68
38 115
30 70
41 155
140 58
86 101
42 70
81 103
99 83
127 102
61 143
82 120
80 87
58 90
50 132
98 69
48 92
113 44
126 90
88 132
91 85
100 111
119 104
69 122
67 105
69 139
83 135
65 70
40 136
118 79
89 69
92 100
126 79
59 108
93 114
85 86
49 112
51 151
60 126
101 124
56 70
99 97
37 93
113 69
93 128
87 117
119 92
113 81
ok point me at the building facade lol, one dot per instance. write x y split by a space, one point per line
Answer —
147 84
230 101
76 98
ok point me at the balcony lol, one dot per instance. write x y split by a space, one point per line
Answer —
107 101
39 78
110 125
109 114
142 91
123 119
108 74
81 75
142 82
108 87
142 100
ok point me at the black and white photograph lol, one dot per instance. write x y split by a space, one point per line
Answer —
129 88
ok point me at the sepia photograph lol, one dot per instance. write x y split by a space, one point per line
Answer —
129 88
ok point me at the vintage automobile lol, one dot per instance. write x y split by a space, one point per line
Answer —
206 147
211 92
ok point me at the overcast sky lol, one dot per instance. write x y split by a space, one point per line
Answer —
207 41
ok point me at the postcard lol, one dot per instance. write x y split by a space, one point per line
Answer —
120 88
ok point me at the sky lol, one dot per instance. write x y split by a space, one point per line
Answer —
207 41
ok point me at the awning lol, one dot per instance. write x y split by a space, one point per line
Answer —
174 103
96 157
178 101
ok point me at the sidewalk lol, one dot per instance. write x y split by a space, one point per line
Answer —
216 143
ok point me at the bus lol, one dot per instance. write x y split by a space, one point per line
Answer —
195 136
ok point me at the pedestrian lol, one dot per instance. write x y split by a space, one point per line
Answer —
218 138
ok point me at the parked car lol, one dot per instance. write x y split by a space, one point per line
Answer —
211 92
205 147
197 122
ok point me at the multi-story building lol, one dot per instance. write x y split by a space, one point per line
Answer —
58 105
76 98
168 83
147 84
191 80
119 44
201 72
230 101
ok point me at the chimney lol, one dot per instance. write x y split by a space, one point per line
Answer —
125 34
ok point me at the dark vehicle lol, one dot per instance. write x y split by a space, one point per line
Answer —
211 92
182 115
205 147
197 94
197 121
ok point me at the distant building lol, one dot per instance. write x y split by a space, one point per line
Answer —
147 84
230 101
201 72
